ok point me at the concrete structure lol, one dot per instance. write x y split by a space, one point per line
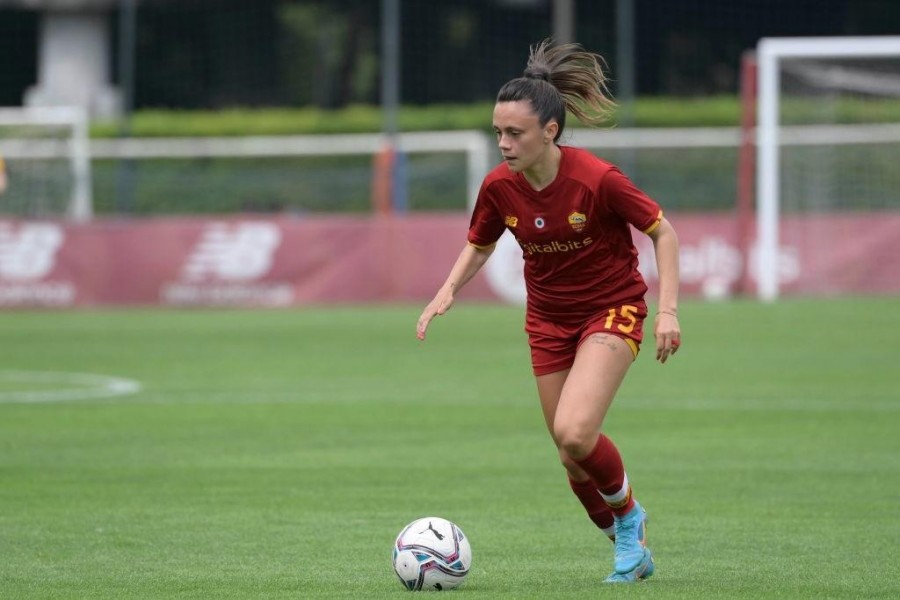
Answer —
74 55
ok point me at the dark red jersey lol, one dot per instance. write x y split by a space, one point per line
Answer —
574 234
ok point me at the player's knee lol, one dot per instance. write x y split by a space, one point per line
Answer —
575 442
569 463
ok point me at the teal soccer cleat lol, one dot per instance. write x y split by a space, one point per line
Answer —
633 559
643 571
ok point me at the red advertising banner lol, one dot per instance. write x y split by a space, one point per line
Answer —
287 261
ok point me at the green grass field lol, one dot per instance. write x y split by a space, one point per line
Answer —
277 454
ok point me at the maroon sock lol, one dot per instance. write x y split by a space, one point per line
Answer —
594 504
604 465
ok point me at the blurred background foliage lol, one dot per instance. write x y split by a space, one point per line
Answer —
277 67
225 54
712 111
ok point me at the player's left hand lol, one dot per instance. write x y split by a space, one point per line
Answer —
668 335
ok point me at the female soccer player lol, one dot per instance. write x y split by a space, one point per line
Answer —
570 212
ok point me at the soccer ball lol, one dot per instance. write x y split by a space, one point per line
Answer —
432 554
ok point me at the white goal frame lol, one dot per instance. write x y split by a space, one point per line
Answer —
76 148
770 53
476 146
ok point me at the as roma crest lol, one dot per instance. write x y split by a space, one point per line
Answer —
577 220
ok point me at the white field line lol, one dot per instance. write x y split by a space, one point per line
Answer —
63 387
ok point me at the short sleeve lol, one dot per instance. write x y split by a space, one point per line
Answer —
629 202
486 225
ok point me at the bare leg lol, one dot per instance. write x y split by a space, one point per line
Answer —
549 390
588 391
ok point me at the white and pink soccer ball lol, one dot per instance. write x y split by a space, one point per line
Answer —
432 553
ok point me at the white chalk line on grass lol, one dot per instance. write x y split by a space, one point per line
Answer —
63 387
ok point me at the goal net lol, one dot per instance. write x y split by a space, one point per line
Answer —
46 156
828 142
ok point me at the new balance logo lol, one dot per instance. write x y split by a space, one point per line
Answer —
233 252
29 251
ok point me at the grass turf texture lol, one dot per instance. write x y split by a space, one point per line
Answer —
277 454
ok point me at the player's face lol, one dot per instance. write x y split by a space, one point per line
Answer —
520 137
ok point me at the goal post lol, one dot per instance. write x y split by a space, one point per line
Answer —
773 135
47 152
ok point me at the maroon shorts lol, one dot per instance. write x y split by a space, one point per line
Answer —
553 344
